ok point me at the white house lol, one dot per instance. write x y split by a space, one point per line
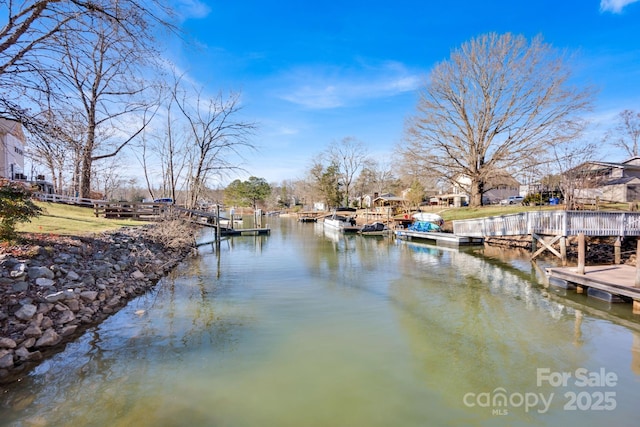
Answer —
12 145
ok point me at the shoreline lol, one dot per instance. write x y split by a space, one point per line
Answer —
54 288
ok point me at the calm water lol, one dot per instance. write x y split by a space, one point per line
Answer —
304 328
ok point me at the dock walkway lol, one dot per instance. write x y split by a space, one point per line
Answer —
605 282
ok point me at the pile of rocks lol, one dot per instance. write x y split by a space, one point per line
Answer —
54 290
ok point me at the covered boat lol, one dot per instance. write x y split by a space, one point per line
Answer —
425 221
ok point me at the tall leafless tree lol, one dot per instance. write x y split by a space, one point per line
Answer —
350 156
626 133
103 74
217 138
496 101
30 49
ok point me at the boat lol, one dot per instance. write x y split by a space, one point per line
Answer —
375 229
307 219
428 217
427 222
341 223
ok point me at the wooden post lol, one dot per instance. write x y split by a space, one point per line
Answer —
563 250
581 252
534 243
218 231
232 211
616 251
637 281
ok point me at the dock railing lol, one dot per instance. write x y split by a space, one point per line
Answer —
556 223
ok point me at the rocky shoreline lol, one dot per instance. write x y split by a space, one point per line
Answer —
600 250
55 287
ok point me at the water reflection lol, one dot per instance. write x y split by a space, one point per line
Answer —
303 327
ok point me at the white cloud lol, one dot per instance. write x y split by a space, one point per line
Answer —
192 9
614 6
331 87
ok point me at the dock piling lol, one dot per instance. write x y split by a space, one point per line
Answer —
581 253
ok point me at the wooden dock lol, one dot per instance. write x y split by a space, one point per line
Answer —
611 283
439 238
244 231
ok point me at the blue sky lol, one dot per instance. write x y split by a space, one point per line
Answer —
315 72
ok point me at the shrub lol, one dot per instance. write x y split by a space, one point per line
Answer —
15 207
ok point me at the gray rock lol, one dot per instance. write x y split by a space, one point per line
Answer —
17 274
33 332
38 272
66 317
7 343
73 276
68 330
73 304
49 338
26 312
23 353
19 286
6 359
28 343
8 262
137 275
44 282
46 323
89 295
55 297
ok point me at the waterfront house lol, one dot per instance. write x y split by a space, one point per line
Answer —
12 146
608 181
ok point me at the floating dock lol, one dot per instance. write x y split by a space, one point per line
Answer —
244 231
439 238
611 283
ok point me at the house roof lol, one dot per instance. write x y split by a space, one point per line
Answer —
390 198
623 180
13 128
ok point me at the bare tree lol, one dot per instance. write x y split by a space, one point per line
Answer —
349 155
30 49
575 180
171 151
217 137
107 94
495 102
626 133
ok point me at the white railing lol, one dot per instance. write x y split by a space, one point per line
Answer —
557 223
57 198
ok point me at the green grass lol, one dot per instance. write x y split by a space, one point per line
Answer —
451 214
64 219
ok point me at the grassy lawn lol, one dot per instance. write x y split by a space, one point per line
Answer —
450 214
64 219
